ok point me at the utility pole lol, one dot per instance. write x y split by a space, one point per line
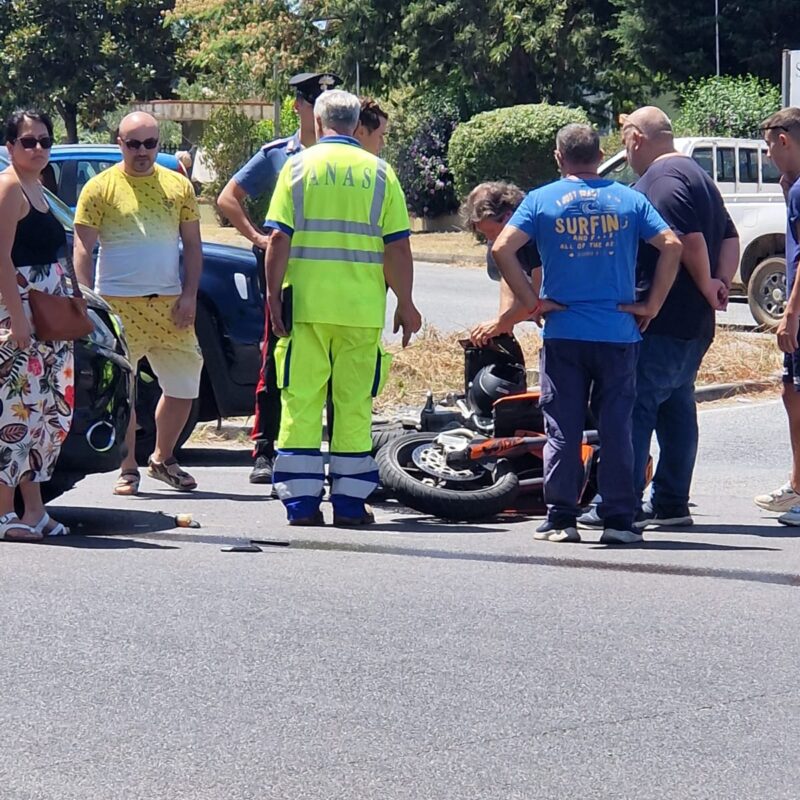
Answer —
276 106
716 31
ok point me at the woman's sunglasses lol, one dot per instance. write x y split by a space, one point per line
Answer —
135 144
30 142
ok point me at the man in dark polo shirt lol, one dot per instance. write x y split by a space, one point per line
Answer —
676 340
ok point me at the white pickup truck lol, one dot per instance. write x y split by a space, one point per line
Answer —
748 181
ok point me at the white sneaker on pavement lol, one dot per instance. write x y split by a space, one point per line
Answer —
783 499
791 517
558 535
614 536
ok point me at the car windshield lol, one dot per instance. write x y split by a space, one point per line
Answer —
60 211
619 170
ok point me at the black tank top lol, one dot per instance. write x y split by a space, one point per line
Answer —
38 238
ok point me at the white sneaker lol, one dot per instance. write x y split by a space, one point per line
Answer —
558 535
614 536
791 517
783 499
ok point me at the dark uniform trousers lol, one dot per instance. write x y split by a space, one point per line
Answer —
267 420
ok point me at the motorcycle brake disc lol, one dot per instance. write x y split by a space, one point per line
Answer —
431 459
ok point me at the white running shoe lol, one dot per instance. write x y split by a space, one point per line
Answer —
783 499
791 517
614 536
558 535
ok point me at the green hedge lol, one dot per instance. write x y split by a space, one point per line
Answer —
514 144
726 106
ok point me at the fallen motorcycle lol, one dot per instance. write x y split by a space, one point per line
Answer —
481 454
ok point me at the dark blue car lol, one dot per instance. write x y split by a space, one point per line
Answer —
229 325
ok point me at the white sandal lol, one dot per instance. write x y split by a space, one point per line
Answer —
11 522
59 529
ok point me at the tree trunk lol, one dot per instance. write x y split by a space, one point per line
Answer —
69 113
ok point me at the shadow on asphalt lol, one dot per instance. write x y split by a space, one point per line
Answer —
663 544
755 576
199 494
84 522
430 525
103 543
215 457
768 531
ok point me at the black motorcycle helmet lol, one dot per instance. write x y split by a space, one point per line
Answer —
494 382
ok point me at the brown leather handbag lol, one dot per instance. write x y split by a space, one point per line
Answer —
58 318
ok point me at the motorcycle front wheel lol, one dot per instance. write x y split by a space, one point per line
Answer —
458 496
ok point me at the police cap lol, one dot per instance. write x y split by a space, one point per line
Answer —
310 85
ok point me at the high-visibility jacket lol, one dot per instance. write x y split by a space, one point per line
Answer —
341 205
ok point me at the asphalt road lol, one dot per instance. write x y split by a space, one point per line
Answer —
418 660
456 298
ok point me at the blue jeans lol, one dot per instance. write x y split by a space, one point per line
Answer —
665 404
569 369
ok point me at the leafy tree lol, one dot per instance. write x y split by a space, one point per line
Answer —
420 131
229 139
675 40
234 45
726 106
84 57
510 51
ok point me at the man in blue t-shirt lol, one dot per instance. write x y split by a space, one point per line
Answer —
588 231
782 134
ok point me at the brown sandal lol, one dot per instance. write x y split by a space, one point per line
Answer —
127 484
169 472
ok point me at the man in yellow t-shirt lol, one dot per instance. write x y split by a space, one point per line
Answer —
139 211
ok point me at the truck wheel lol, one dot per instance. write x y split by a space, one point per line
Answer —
766 291
484 497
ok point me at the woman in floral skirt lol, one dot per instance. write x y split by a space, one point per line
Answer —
36 377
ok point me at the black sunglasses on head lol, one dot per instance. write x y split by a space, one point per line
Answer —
135 144
30 142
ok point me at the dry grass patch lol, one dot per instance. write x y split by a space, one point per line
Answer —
736 356
435 361
461 247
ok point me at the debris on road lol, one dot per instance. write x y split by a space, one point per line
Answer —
242 548
186 521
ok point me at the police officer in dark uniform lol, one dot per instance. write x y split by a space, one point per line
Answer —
257 177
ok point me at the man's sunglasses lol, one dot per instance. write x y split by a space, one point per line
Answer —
135 144
30 142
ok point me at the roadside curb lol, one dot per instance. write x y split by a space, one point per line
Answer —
439 258
719 391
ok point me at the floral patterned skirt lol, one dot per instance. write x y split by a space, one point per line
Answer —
36 391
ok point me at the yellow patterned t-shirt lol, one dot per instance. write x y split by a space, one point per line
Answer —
138 222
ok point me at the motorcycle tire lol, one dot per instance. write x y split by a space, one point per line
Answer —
383 435
446 503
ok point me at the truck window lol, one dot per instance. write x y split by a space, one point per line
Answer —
704 157
748 165
769 172
726 165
